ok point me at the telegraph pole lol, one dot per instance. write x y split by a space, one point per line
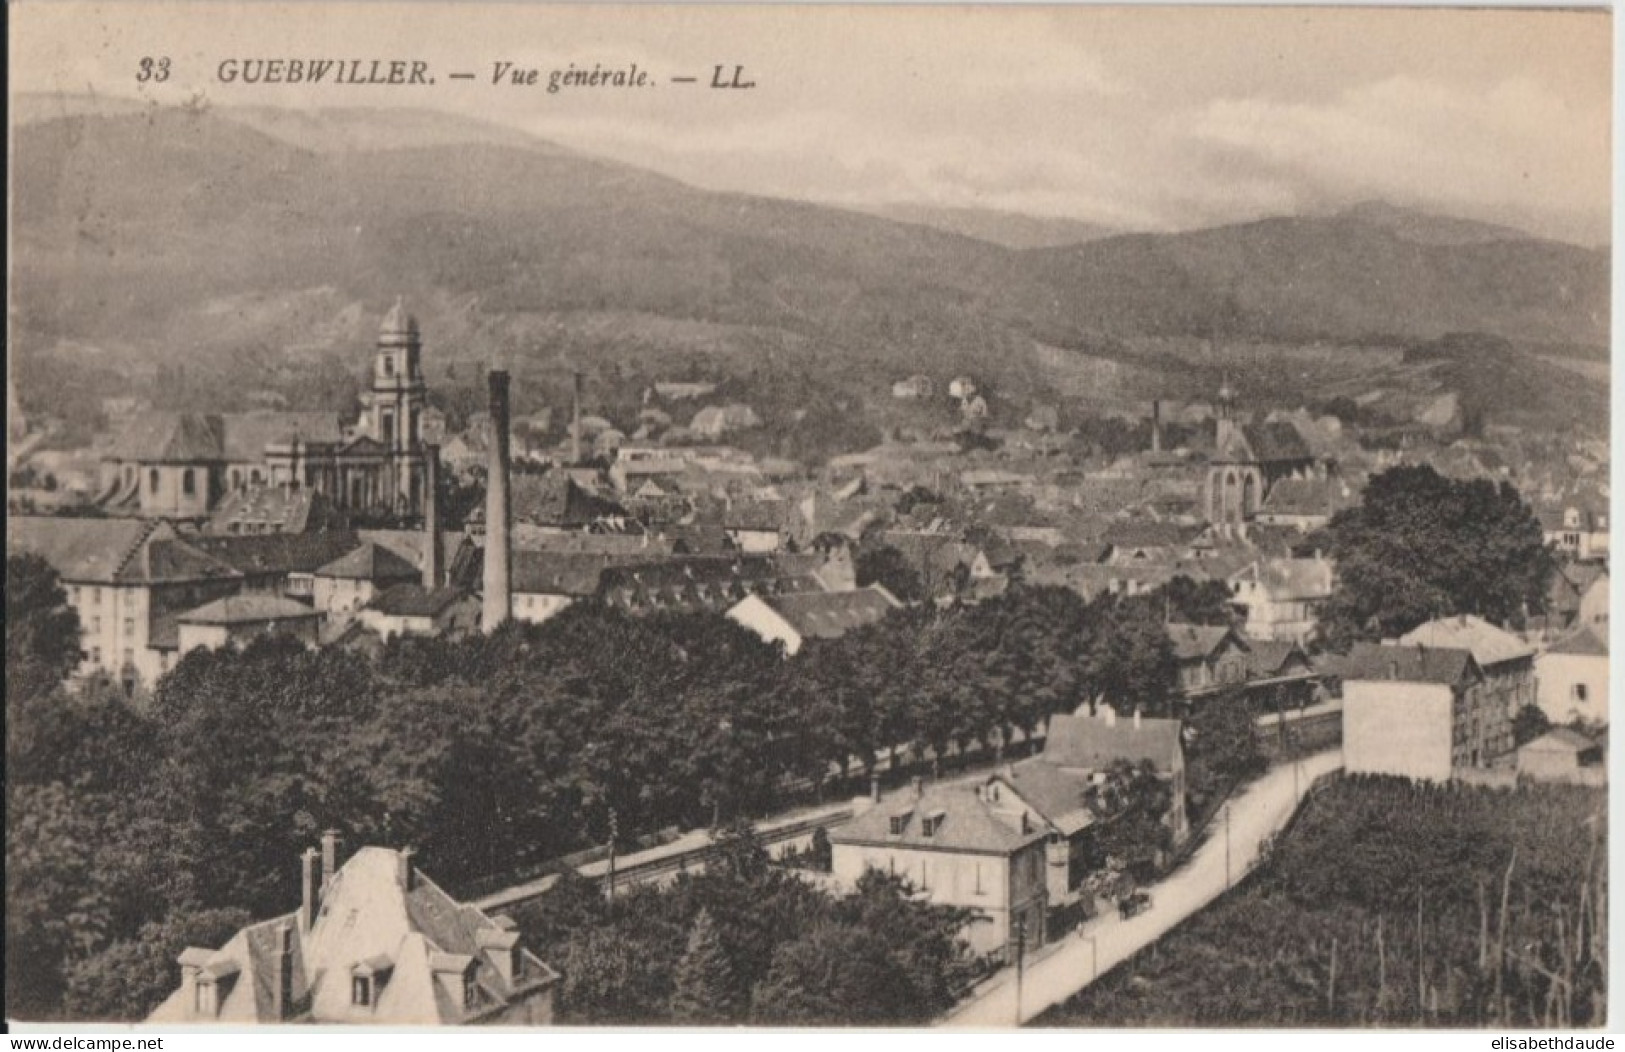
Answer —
1227 846
1021 953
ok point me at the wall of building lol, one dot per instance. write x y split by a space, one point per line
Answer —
1001 887
1394 727
535 607
341 595
1570 686
179 490
1301 732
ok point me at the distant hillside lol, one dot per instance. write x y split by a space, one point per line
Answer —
1339 278
1424 228
257 249
1010 229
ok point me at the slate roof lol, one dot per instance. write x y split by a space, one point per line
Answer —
830 615
257 508
1584 641
1306 497
1276 441
246 435
554 499
559 573
1560 739
968 824
248 609
370 562
1412 664
170 438
1056 794
410 600
1092 743
1192 642
1490 646
1148 533
113 551
705 581
277 553
1268 658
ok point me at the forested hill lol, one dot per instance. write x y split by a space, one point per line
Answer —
233 239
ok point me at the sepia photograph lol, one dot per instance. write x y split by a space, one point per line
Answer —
774 516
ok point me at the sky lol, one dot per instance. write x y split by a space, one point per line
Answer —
1144 119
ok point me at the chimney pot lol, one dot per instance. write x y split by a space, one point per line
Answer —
310 867
282 977
874 789
919 787
1136 719
403 862
332 846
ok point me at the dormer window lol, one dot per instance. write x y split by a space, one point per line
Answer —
361 991
389 365
471 990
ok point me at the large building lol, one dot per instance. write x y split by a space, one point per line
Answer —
373 942
1419 712
186 465
958 845
1248 460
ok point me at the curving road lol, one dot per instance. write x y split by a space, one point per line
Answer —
1057 971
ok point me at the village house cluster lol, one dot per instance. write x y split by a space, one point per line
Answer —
212 530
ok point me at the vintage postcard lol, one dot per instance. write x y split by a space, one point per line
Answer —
789 516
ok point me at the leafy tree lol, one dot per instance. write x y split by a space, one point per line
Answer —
610 977
1130 658
128 979
887 567
704 988
820 852
1132 803
1528 724
1185 600
42 630
835 975
1222 749
1421 546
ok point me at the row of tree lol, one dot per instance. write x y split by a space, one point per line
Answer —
491 754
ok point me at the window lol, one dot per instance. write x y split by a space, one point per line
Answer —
389 365
96 595
129 658
204 999
1578 692
152 481
129 627
96 655
898 822
471 991
361 991
95 624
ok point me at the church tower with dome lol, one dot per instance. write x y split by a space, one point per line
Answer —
392 411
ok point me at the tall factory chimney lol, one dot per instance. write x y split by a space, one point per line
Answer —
575 419
431 519
498 564
1156 426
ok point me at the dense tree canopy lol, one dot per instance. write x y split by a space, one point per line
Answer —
493 755
1422 546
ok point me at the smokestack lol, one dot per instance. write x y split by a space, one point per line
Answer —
282 976
1156 426
575 418
874 788
498 562
1136 719
919 787
332 844
311 880
431 519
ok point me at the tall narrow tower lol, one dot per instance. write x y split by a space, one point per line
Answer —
498 605
392 410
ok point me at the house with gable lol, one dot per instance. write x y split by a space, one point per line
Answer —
792 619
373 942
1506 662
1419 712
958 845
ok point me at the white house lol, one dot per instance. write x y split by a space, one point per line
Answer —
1571 676
792 619
1417 712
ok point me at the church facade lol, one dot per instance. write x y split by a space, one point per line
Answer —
1247 461
183 465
